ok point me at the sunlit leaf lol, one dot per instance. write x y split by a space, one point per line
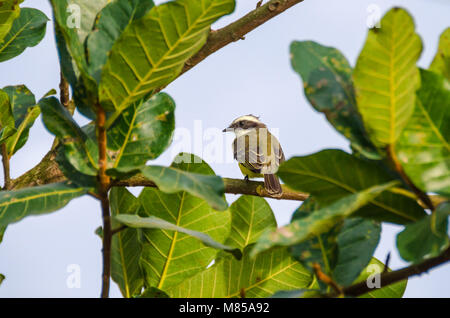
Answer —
424 146
15 205
152 50
9 11
125 247
386 76
441 62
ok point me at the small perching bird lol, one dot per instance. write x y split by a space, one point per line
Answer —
257 151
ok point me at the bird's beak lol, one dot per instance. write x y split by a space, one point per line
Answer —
227 129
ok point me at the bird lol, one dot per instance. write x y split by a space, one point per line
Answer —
257 151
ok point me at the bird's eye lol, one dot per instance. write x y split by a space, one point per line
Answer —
241 124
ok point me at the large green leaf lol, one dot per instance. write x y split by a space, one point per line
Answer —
262 276
15 205
26 31
327 81
59 121
441 62
24 113
332 174
369 273
125 248
356 242
424 146
87 10
111 22
152 50
6 115
321 248
321 221
250 216
425 238
169 257
386 77
142 132
9 11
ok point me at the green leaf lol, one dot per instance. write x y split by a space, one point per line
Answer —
262 276
152 50
21 99
357 242
142 132
26 31
386 77
327 81
6 115
441 62
296 293
111 22
2 278
424 146
87 10
20 137
321 248
425 238
6 132
59 122
15 205
250 216
369 274
9 11
170 257
318 222
332 174
126 248
153 292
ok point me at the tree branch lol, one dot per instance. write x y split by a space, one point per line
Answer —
232 186
389 278
104 184
6 170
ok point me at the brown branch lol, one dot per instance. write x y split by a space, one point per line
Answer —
64 91
104 183
422 196
6 170
232 186
389 278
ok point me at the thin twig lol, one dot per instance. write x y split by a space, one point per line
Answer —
326 279
386 263
104 183
6 169
119 229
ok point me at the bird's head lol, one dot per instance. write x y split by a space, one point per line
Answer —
245 122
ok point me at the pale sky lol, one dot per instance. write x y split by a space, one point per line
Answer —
250 76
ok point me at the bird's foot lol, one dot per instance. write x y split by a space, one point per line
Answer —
246 178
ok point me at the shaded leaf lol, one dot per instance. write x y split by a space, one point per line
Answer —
86 12
152 50
328 86
59 122
6 132
125 247
386 76
171 256
20 136
357 242
296 293
110 23
369 274
262 276
6 115
332 174
26 31
142 132
153 292
318 222
21 99
425 238
441 62
15 205
424 146
250 216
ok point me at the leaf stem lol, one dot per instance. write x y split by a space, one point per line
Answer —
6 168
104 184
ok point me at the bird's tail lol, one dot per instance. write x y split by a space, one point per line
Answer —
272 184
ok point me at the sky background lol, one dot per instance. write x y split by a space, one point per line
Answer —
251 76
